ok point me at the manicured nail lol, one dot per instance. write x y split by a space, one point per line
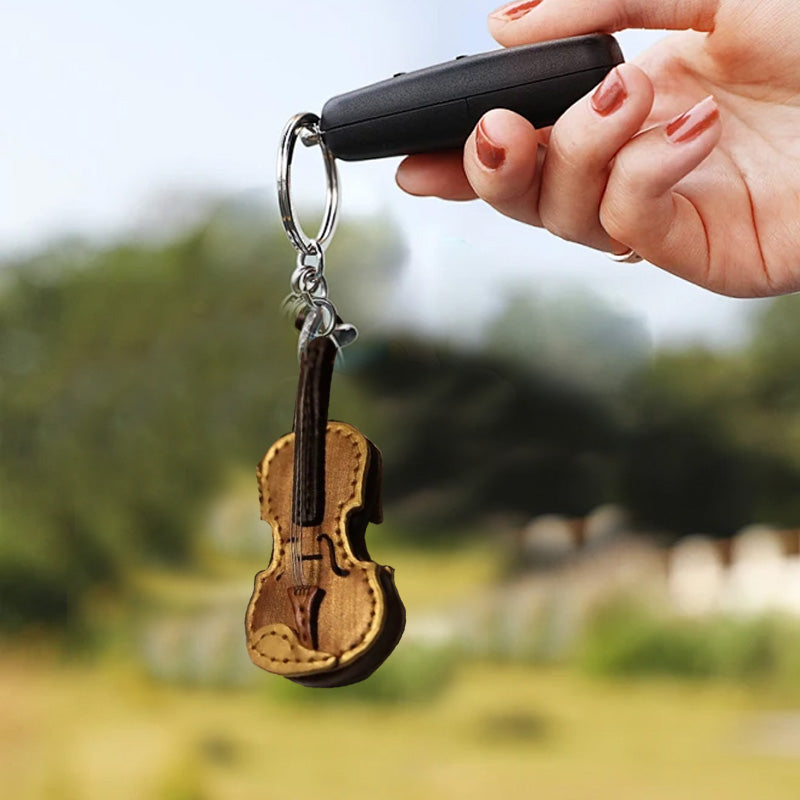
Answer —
490 155
512 11
698 119
610 94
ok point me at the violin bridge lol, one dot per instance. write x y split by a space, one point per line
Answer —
305 603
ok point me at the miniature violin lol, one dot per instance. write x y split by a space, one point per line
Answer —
322 613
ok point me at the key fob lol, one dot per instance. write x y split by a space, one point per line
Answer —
437 108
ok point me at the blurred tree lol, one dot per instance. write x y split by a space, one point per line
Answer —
133 377
775 356
468 436
573 336
773 421
698 456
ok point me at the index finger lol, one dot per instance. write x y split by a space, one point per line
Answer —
528 21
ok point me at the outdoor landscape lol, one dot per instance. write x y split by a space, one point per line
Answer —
597 543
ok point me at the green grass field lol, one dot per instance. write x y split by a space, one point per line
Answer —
98 728
105 732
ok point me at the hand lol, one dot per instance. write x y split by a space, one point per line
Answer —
690 155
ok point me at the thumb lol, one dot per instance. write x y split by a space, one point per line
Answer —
528 21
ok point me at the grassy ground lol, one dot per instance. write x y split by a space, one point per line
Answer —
101 729
104 732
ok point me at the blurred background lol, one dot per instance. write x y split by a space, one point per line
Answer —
591 488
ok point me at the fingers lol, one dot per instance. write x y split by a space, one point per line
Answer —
600 182
644 208
583 144
435 174
527 21
502 164
562 189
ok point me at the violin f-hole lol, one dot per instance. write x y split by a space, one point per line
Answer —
342 573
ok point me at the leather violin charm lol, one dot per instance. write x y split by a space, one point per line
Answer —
322 613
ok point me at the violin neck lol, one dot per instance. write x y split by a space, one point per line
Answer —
310 425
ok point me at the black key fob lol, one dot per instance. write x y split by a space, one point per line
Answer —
437 108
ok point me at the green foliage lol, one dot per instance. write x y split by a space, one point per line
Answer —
482 436
626 639
573 337
136 376
133 378
776 356
701 452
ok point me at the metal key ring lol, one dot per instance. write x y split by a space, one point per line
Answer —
298 124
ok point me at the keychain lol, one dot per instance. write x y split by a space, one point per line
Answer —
322 613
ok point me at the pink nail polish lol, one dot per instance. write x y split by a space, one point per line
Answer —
512 11
696 121
490 155
610 94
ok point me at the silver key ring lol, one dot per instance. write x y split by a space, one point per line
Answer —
308 124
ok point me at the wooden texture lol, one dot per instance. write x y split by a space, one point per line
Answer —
340 621
311 419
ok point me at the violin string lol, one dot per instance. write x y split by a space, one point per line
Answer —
292 534
293 552
299 542
313 568
297 555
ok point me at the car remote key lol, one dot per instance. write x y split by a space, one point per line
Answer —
437 108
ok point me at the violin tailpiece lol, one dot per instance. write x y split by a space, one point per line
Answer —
305 601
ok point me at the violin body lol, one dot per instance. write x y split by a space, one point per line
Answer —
323 613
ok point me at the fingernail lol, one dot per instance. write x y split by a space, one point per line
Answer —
490 155
512 11
610 94
698 119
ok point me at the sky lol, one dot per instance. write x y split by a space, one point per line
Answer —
111 110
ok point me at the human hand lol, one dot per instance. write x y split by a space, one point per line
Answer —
690 155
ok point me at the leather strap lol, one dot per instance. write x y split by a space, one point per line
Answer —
310 425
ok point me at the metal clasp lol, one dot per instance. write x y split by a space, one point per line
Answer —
309 287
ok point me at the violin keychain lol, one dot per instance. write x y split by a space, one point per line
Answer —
322 613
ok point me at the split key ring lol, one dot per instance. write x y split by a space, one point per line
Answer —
307 124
